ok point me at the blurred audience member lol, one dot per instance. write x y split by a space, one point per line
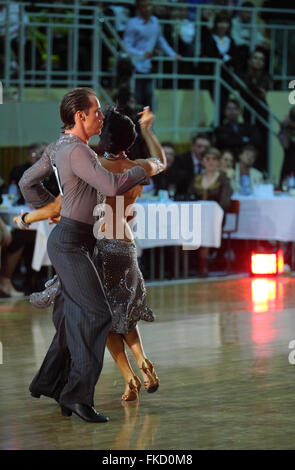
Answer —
126 102
220 45
246 176
142 35
188 165
257 83
167 179
227 163
12 244
184 34
184 30
34 153
287 139
234 134
243 35
121 13
211 185
124 71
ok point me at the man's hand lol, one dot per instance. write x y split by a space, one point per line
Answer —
18 222
54 220
148 55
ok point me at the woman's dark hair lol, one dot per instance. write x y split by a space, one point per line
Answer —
77 99
219 18
118 132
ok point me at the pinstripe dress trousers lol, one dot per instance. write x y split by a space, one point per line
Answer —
82 318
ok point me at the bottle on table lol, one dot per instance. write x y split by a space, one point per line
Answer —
245 185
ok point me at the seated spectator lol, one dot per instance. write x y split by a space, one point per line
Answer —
227 163
12 244
257 82
142 35
234 134
242 33
287 139
220 45
189 164
34 153
246 176
211 185
167 179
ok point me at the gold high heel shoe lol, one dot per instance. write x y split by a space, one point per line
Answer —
134 389
152 384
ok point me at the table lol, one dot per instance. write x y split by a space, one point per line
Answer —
202 220
271 218
186 224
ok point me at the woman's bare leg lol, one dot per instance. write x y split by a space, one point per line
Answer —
150 379
116 346
134 342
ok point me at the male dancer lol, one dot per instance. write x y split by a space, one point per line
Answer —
81 314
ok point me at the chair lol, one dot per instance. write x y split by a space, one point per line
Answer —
234 208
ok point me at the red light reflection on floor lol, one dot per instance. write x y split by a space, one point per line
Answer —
267 296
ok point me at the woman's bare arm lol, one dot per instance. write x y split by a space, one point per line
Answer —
51 210
157 162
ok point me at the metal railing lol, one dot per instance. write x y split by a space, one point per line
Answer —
95 21
75 18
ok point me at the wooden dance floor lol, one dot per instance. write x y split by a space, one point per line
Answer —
221 350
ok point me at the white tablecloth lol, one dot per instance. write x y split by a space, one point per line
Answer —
190 225
206 216
270 218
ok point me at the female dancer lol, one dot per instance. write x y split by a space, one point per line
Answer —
114 257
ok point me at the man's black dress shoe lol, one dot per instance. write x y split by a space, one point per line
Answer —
85 412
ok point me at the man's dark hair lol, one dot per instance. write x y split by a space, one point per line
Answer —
234 101
251 148
201 135
77 99
118 132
